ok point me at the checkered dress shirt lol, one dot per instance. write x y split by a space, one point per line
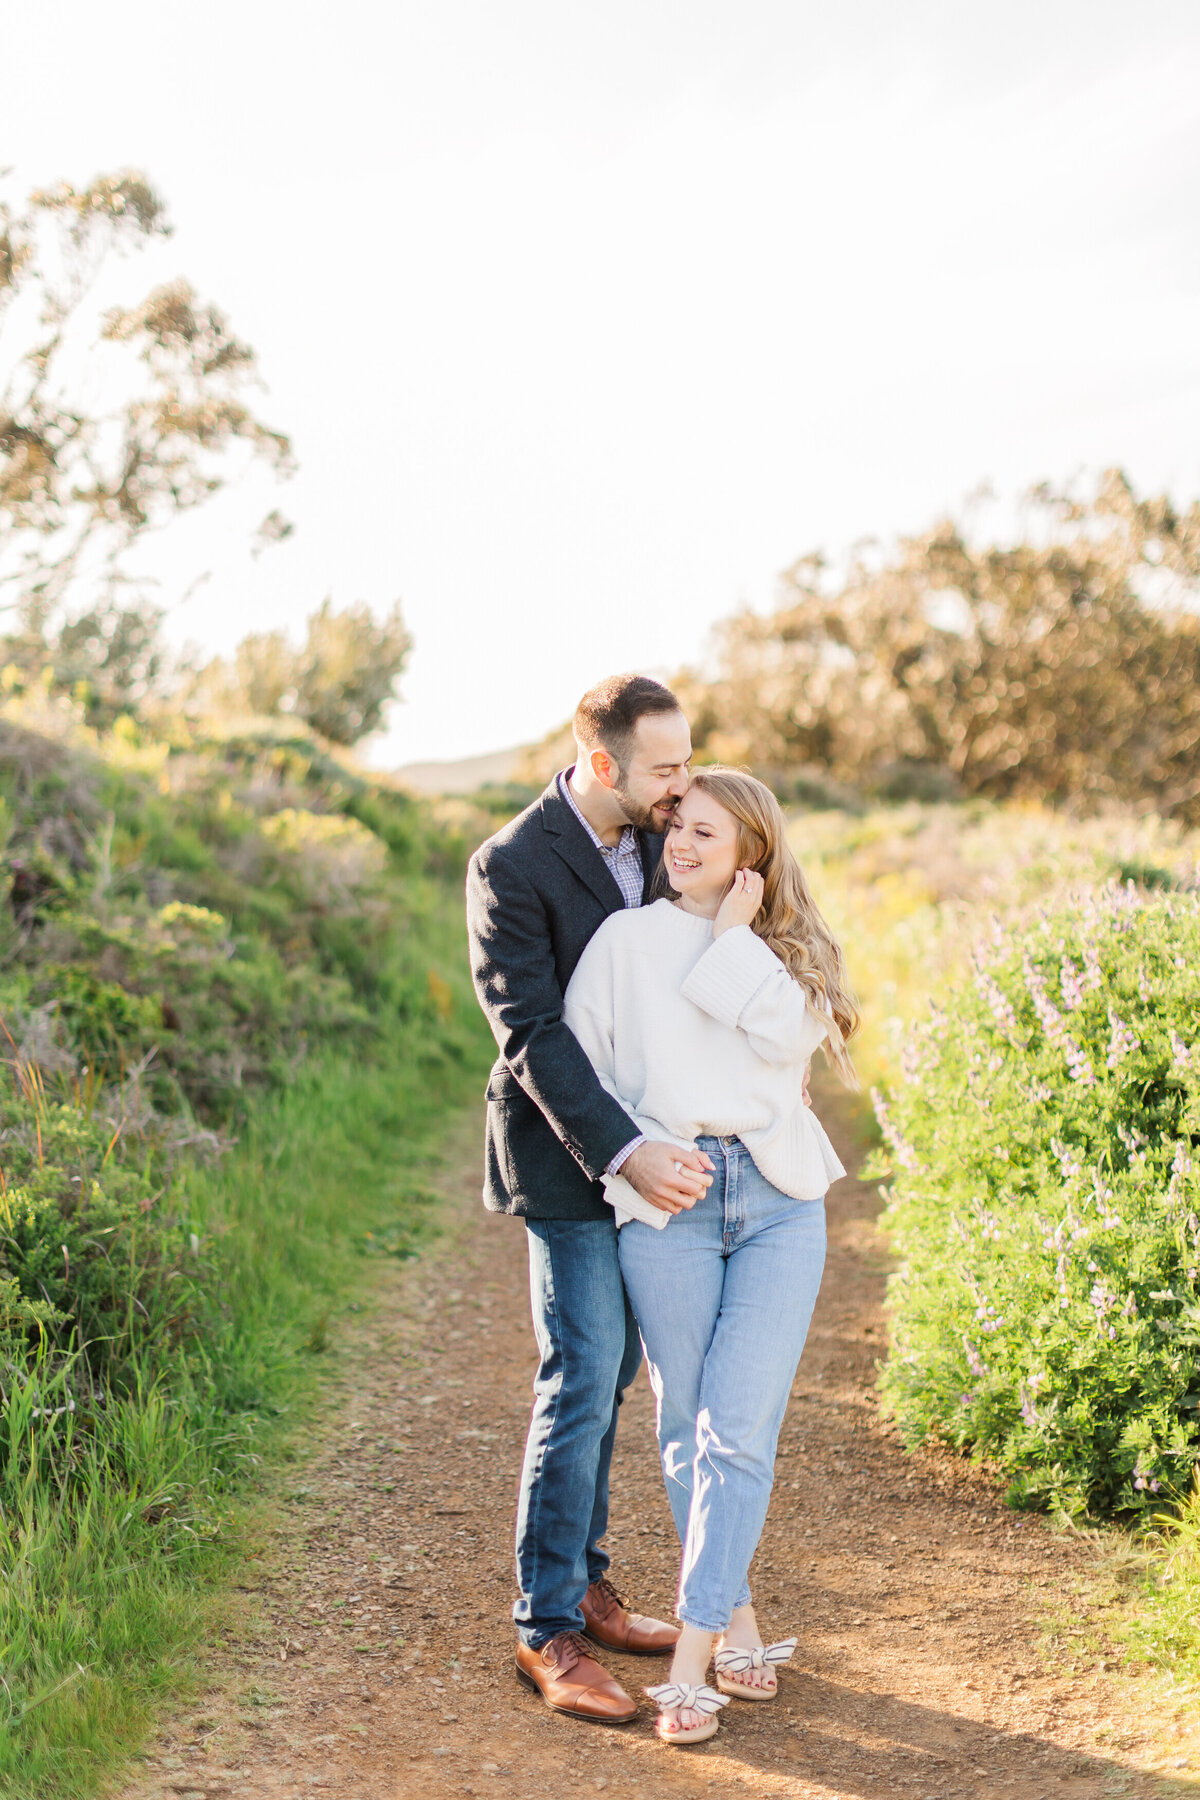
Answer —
623 860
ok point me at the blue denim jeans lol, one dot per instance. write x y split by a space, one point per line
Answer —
589 1353
723 1295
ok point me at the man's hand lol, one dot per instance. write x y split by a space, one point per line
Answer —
742 903
667 1176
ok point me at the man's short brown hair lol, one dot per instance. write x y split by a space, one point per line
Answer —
607 715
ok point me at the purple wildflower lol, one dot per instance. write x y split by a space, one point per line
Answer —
1052 1024
1122 1040
1081 1069
997 1000
1072 985
905 1155
1047 1012
1102 1301
1066 1159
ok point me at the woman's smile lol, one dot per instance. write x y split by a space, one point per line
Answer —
700 855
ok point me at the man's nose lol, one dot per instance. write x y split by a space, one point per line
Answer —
679 785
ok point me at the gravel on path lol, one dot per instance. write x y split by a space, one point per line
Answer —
378 1660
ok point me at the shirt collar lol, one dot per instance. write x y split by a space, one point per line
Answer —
628 838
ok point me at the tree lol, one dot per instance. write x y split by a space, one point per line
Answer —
113 421
339 681
348 670
1063 667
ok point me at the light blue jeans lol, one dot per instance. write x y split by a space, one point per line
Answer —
723 1297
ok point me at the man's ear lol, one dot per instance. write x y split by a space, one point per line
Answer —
603 767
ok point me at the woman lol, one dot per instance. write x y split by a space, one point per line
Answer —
700 1013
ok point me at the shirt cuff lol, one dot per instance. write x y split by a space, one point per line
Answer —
623 1156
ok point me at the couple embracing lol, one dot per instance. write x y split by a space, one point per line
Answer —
657 977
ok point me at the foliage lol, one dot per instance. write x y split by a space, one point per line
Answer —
1063 666
113 421
910 887
235 989
1045 1144
118 1520
338 682
1162 1629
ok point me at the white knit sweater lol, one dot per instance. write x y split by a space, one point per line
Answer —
697 1037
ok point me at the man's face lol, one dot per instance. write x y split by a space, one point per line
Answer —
655 776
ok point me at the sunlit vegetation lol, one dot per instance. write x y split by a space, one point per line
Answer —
235 1017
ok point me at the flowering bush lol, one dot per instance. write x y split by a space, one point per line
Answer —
1045 1148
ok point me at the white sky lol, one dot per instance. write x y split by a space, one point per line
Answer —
586 319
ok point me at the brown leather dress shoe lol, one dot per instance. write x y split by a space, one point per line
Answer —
571 1681
607 1621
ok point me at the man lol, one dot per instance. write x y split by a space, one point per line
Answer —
536 893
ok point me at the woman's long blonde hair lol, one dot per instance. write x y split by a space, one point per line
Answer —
789 920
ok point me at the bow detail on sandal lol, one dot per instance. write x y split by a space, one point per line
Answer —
676 1697
737 1662
730 1664
673 1696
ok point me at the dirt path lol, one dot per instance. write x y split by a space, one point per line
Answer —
380 1666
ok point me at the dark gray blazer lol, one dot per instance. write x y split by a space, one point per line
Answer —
536 894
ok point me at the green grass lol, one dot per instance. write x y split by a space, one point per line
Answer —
115 1537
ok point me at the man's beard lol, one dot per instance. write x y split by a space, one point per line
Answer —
643 817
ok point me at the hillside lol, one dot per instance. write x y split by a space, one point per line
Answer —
464 775
237 1014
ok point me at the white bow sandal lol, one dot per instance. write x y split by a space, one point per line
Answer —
729 1664
673 1698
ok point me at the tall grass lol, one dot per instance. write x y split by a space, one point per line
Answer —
117 1521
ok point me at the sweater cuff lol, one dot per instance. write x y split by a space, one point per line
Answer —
730 973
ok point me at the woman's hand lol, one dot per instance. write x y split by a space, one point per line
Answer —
742 903
670 1178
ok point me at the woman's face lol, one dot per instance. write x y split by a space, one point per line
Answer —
700 854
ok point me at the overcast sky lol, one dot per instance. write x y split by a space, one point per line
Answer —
587 319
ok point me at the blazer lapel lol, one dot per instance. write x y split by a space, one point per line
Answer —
577 850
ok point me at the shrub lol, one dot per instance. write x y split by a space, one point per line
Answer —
332 856
1045 1144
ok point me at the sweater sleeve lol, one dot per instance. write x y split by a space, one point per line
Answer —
589 1011
740 982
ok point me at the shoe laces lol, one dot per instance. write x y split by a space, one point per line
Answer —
569 1647
608 1592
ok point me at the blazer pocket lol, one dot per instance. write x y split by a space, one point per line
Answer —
503 1085
509 1111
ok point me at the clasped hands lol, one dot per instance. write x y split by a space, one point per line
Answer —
667 1176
